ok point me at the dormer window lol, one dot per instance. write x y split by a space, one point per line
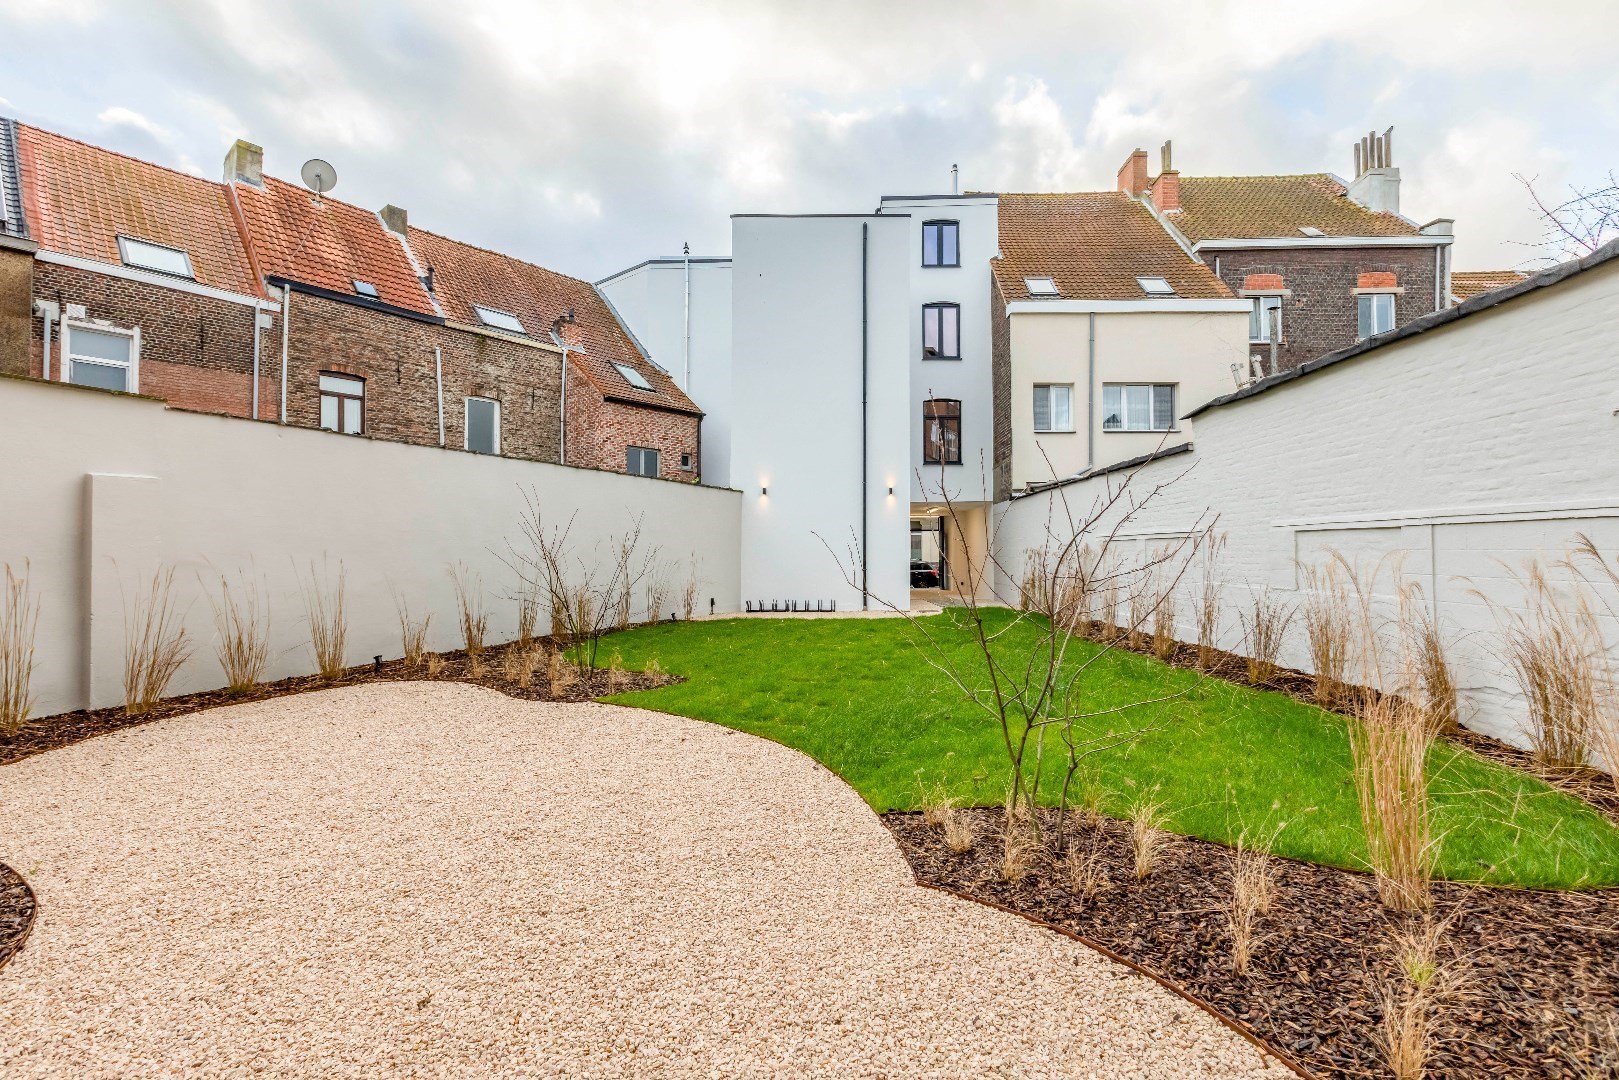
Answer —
365 289
1040 286
940 245
633 377
149 256
500 320
1155 286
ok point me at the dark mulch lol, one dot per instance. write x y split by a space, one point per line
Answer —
16 912
1540 969
50 732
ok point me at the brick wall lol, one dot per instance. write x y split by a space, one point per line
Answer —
1320 316
600 433
16 301
1000 340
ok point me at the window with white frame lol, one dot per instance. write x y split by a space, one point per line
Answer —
104 357
633 377
941 331
1041 286
1138 406
342 403
150 256
940 243
500 320
641 461
1053 407
1376 313
1155 286
483 425
1266 310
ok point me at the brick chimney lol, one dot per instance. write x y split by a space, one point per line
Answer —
1166 189
1133 173
395 219
244 163
1377 182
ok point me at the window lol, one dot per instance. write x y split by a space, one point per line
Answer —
103 358
1054 408
1138 407
941 332
939 243
500 320
366 289
1155 286
685 462
148 256
641 461
1040 286
1311 231
483 425
342 403
1260 318
633 377
1376 313
941 432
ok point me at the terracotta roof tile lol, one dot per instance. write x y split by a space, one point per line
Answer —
329 244
1465 284
1093 245
1253 207
464 275
81 198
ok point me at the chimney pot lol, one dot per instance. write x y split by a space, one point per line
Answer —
395 219
244 163
1133 173
1377 182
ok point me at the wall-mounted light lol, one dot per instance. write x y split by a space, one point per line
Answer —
764 491
891 489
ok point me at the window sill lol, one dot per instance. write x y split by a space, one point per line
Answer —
1054 431
1141 431
946 464
955 359
941 266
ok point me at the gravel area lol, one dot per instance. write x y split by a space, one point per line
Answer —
431 878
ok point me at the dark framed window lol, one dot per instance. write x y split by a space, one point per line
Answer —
342 403
940 245
941 331
941 431
641 461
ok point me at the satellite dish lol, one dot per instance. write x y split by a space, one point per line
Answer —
319 176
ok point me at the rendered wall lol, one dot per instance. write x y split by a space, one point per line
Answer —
1465 450
101 489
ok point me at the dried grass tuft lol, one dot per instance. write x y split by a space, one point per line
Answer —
469 604
412 633
1163 624
1389 742
1329 626
1020 853
1208 602
155 643
518 662
1147 836
958 832
1085 872
1423 985
1425 647
1264 626
653 668
658 591
528 614
19 623
559 673
435 665
688 590
242 633
327 613
1253 891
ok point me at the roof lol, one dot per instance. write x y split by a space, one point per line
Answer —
13 222
1466 284
328 244
464 275
1555 275
81 198
1093 245
1260 207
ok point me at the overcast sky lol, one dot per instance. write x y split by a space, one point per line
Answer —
589 134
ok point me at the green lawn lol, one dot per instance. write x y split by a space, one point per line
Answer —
860 697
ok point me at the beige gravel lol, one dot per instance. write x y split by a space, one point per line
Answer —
434 879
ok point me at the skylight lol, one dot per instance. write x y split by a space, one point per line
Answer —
1311 230
1155 286
365 288
1040 286
633 377
500 320
148 256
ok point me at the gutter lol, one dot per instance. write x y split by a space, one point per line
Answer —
357 301
865 337
1090 399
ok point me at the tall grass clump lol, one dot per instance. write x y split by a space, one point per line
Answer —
1208 601
658 591
1148 835
1422 985
1253 889
242 633
412 633
155 643
528 614
1425 646
1163 623
688 590
1264 626
327 612
1554 648
1389 743
1329 626
469 605
19 622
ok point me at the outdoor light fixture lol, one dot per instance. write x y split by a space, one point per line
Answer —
764 491
891 489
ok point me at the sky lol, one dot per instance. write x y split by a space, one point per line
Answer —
588 135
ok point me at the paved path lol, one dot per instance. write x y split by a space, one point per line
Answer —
431 878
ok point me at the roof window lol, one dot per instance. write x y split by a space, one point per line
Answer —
366 289
1040 286
149 256
633 377
500 320
1155 286
1311 230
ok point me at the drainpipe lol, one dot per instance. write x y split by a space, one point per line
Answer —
1090 399
562 428
1438 278
48 310
865 583
686 333
286 310
438 381
256 335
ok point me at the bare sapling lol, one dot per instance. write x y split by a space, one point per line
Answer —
1148 837
155 643
326 610
242 633
1253 889
1210 586
1264 628
19 624
1425 645
412 633
1329 627
469 605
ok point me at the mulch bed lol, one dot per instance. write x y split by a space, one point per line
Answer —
1539 970
17 908
51 732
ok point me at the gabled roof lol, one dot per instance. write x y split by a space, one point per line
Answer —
1262 207
13 222
464 275
1466 284
1093 245
328 244
81 198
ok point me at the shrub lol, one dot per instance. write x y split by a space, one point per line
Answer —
155 643
19 623
242 631
327 612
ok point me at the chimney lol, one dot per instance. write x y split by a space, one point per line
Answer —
1166 189
1377 182
394 218
244 163
1133 173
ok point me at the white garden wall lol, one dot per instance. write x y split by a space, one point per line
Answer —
1467 449
98 490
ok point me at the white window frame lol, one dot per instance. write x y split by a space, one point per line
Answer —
1394 310
1124 408
374 294
132 332
125 244
488 316
630 375
321 394
1041 286
1154 290
1049 411
1258 298
466 422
